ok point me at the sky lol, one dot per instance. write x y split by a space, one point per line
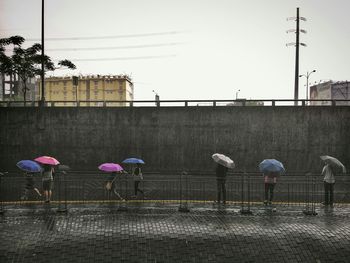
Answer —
191 49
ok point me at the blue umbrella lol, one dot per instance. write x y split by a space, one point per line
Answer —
133 160
29 166
271 165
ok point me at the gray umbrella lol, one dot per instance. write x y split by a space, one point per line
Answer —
334 162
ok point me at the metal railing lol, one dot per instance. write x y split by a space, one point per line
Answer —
179 103
244 190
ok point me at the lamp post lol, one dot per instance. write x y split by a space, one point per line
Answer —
42 100
307 82
237 93
156 97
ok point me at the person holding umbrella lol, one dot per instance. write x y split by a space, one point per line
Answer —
114 169
328 173
30 168
47 181
47 163
136 174
223 163
271 169
270 180
138 177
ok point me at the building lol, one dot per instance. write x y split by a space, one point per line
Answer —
92 90
330 91
12 88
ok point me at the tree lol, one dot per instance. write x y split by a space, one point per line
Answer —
26 62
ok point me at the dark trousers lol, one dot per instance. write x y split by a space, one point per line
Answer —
136 187
269 188
221 186
328 193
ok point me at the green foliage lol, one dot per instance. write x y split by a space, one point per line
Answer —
26 62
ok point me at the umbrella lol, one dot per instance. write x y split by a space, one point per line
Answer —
110 167
271 165
63 167
133 160
29 166
47 160
223 160
334 162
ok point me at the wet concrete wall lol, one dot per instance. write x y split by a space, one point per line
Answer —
176 138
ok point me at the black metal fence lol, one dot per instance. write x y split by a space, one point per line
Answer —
244 190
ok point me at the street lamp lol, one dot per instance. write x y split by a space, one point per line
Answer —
156 97
237 93
307 81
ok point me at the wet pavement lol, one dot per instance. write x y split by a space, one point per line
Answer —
208 233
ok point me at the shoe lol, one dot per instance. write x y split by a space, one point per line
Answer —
47 201
324 203
270 202
265 202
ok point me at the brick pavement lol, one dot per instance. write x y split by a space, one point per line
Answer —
166 235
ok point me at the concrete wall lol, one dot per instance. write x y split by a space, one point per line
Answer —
176 138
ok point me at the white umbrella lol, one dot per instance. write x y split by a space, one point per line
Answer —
334 162
223 160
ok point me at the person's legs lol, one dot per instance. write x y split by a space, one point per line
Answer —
137 189
136 185
326 193
218 185
37 191
271 188
223 188
266 193
331 193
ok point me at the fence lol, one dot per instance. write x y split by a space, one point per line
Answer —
244 190
178 103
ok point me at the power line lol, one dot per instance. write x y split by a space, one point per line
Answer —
118 47
107 37
123 58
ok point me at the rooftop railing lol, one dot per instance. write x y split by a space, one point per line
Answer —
180 103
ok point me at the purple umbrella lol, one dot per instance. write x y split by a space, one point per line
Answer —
110 167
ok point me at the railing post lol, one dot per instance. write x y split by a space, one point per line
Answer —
131 104
308 211
245 211
334 103
214 103
59 178
303 103
184 205
273 103
186 103
123 206
1 201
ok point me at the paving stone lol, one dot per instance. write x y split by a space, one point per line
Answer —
162 235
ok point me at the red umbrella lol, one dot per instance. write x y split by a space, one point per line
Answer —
47 160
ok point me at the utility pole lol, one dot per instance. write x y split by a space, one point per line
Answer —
296 44
42 101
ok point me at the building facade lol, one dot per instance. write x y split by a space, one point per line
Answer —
12 88
330 91
92 90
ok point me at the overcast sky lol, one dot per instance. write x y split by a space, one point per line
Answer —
191 49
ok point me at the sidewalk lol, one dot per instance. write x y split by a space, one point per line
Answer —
162 234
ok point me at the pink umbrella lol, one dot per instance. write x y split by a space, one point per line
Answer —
47 160
110 167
